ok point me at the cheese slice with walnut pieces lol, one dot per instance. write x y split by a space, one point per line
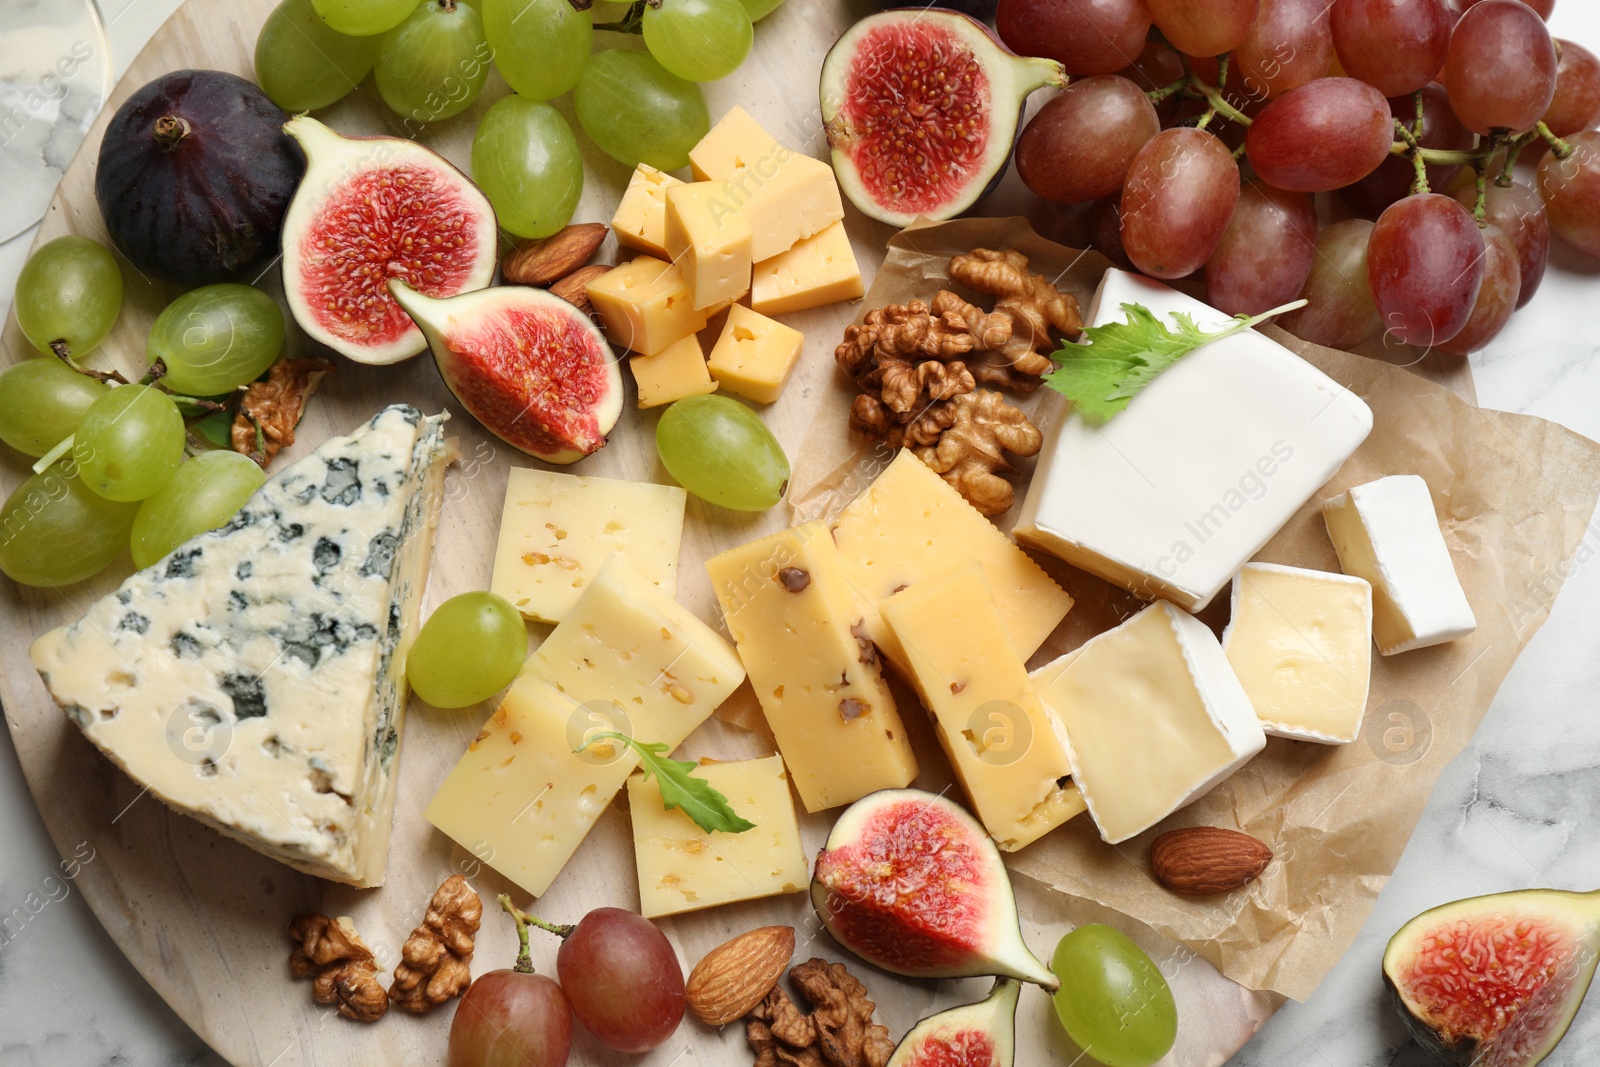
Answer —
255 677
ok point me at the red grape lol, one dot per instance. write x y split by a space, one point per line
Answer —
1265 254
1396 46
1105 231
1156 67
1078 147
511 1019
1086 36
622 979
1289 45
1340 312
1570 189
1497 298
1425 265
1204 27
1394 177
1543 7
1179 195
1324 135
1517 212
1576 105
1501 67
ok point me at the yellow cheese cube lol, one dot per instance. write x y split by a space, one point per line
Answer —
678 372
736 142
755 355
912 526
558 530
641 219
795 619
684 868
786 197
708 237
645 305
1009 753
819 270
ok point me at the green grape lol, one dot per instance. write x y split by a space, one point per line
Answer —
760 9
41 401
720 451
639 112
216 338
1113 1001
303 63
363 18
129 443
701 40
433 65
540 46
527 162
54 531
206 492
470 648
69 293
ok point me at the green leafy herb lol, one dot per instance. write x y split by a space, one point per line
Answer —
679 788
1122 358
216 428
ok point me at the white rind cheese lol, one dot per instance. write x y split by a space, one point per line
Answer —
255 677
1388 533
1171 497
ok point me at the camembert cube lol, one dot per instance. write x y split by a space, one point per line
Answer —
641 219
628 659
558 530
678 372
1388 533
1008 751
708 237
1155 718
684 868
817 271
1301 643
645 305
755 355
736 142
797 623
912 526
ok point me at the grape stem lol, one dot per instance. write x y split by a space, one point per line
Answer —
1559 148
63 353
632 22
1414 150
48 459
523 921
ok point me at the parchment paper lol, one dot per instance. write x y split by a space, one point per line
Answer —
1516 496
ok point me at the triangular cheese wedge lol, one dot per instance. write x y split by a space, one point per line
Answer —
255 677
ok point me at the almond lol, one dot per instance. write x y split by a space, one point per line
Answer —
733 978
574 288
553 258
1202 860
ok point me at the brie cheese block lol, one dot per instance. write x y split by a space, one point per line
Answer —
1172 496
255 677
1388 533
1301 643
1154 715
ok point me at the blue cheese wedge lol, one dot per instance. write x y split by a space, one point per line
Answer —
255 677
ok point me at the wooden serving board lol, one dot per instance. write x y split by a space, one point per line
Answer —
203 918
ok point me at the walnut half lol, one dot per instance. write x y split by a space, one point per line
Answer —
435 962
330 952
839 1032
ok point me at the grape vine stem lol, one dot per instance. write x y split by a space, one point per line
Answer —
524 920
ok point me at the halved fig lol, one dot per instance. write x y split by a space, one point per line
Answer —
973 1035
913 884
532 368
1495 981
372 209
921 109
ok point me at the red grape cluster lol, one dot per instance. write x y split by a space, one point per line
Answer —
1200 132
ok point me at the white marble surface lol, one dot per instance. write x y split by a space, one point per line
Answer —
1520 808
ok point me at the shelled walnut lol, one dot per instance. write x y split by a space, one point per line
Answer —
838 1032
919 367
435 961
270 409
330 952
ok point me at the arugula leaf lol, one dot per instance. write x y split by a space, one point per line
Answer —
1122 358
216 428
679 788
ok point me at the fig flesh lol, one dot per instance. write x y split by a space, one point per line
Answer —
194 177
973 1035
532 368
1495 981
372 210
921 109
913 884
